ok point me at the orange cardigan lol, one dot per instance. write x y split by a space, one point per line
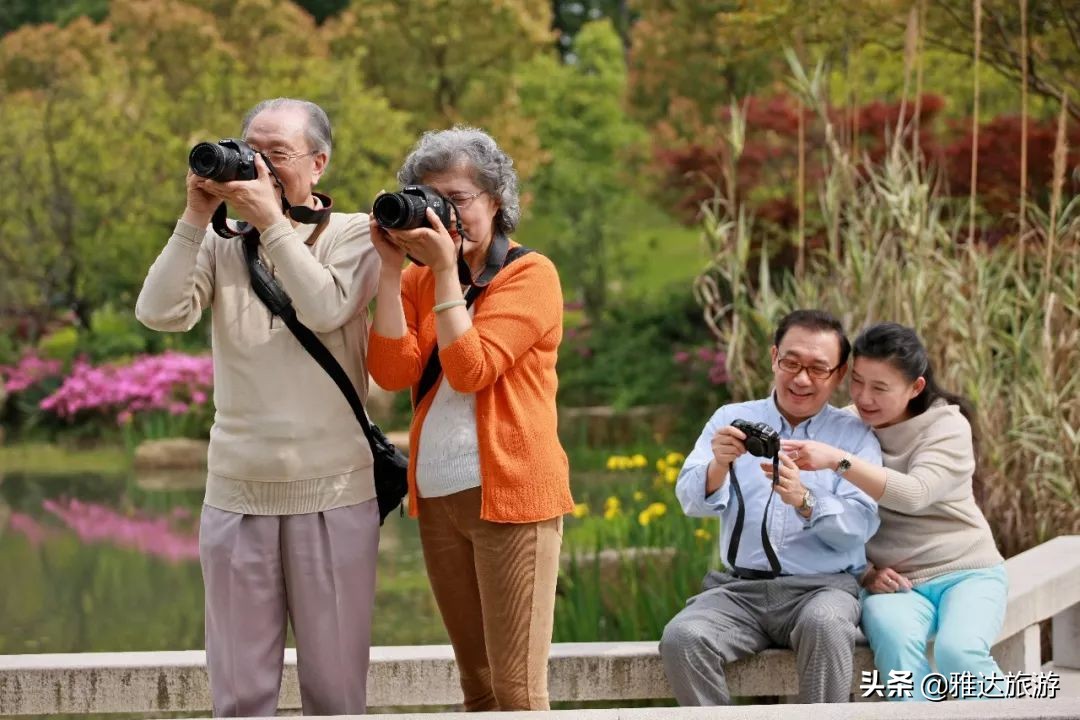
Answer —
507 358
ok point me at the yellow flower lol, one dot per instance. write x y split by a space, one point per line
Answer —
671 475
674 458
661 465
612 462
612 502
702 534
612 512
638 496
657 509
638 461
581 510
644 517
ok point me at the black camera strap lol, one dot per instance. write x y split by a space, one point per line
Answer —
499 256
736 532
279 303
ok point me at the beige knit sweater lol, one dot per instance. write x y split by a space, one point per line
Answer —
284 439
930 523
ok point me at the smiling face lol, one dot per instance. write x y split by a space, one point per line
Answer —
477 209
799 395
881 392
280 134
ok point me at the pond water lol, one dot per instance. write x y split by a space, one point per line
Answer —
93 562
109 562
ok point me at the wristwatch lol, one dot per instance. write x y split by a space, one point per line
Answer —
844 465
808 502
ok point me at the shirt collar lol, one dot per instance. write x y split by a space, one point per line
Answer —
811 424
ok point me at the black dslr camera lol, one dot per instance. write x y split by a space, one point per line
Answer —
228 159
405 210
761 440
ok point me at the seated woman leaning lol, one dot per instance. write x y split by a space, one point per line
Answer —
934 569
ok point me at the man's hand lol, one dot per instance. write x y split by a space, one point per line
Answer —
885 580
200 203
257 201
790 487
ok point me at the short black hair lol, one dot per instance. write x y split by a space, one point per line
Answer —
818 320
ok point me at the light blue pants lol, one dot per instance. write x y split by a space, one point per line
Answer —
964 610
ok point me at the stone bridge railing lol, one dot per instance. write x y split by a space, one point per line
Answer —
1044 584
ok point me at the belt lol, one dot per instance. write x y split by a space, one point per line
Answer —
751 574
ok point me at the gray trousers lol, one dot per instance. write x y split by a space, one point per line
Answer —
815 615
316 570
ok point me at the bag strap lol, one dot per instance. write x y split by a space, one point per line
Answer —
279 303
433 368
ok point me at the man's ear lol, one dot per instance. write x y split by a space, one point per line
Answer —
321 161
841 372
773 352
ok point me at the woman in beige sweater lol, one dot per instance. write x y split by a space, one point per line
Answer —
935 570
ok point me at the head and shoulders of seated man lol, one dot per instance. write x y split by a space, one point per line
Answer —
809 359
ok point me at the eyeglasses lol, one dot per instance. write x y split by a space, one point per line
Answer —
280 157
463 200
794 367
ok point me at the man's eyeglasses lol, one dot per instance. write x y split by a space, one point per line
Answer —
794 367
463 200
280 157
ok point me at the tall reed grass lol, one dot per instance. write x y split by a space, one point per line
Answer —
1002 325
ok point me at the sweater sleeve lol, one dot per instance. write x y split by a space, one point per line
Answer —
325 295
515 314
395 363
943 462
180 284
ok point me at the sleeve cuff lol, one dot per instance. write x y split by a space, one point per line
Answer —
275 234
188 232
824 507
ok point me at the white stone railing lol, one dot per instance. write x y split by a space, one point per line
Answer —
1044 583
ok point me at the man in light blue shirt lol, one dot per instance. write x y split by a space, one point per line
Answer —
794 549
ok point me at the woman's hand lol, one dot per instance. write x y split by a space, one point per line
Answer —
885 580
257 201
432 246
812 455
391 254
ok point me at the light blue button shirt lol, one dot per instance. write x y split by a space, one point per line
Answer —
833 539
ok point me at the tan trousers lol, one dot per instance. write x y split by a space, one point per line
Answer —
317 570
495 587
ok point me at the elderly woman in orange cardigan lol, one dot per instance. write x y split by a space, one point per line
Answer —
488 478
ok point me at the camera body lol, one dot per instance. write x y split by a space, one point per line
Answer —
405 210
761 439
225 160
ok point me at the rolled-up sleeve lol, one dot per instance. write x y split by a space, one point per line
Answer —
847 517
397 363
690 486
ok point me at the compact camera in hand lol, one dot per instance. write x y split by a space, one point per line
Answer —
405 210
225 160
761 439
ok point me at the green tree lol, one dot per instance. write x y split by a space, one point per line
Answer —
591 144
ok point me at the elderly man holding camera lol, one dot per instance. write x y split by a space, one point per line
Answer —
792 566
290 524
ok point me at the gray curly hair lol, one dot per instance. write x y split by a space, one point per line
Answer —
439 151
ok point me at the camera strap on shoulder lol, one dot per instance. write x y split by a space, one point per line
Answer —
736 531
499 256
279 303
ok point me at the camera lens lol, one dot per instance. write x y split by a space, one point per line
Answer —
754 446
214 161
399 211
